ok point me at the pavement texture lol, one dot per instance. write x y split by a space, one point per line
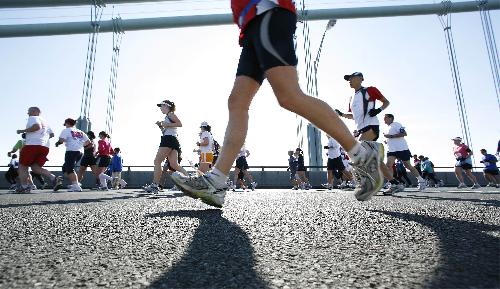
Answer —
440 238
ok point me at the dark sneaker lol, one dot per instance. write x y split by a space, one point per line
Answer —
23 190
393 189
152 189
369 179
422 185
201 187
58 183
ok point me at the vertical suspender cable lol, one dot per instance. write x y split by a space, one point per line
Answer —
95 15
117 39
445 19
491 46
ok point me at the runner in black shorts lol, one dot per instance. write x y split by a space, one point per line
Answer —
375 130
301 170
267 38
88 159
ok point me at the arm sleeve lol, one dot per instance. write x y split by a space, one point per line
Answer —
374 93
18 145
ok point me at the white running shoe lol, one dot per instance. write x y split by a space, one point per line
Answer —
367 171
123 184
253 185
74 188
393 189
202 187
475 186
33 187
327 186
422 185
461 186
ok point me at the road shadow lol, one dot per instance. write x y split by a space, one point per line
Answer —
220 255
480 202
469 256
66 202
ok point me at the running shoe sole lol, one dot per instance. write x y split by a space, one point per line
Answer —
367 196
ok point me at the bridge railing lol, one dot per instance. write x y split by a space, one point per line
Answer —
251 168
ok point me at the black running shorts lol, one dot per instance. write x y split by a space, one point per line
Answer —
103 161
170 141
88 160
241 163
491 172
375 128
401 155
335 164
70 160
268 42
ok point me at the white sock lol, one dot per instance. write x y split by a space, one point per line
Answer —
218 177
356 153
103 178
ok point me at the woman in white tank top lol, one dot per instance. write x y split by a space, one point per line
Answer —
169 145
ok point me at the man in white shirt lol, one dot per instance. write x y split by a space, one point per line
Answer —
398 148
34 152
335 165
362 110
75 140
205 145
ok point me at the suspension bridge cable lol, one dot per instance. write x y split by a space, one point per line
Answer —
491 46
445 19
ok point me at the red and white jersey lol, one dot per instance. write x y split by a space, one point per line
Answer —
242 19
361 117
73 138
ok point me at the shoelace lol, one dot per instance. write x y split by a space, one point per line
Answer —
197 182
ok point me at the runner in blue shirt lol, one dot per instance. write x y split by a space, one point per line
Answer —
491 173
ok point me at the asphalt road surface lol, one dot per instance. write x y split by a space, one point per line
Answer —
440 238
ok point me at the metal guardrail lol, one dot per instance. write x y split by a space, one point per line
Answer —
252 168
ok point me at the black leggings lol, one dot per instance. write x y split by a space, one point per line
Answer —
402 174
38 177
11 175
430 176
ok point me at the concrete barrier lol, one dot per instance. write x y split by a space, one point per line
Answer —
265 179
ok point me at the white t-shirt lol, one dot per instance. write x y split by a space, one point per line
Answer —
208 148
396 144
333 148
39 137
73 138
14 163
265 5
243 152
361 119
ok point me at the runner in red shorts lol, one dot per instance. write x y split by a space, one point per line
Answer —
34 152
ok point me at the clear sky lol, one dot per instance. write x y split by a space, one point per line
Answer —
405 57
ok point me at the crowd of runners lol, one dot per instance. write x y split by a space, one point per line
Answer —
267 30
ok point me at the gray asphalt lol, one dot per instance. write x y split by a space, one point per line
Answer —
444 238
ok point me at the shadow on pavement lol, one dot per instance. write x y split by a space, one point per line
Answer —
469 256
65 202
486 203
219 256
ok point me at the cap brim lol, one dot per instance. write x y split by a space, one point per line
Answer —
159 105
347 77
